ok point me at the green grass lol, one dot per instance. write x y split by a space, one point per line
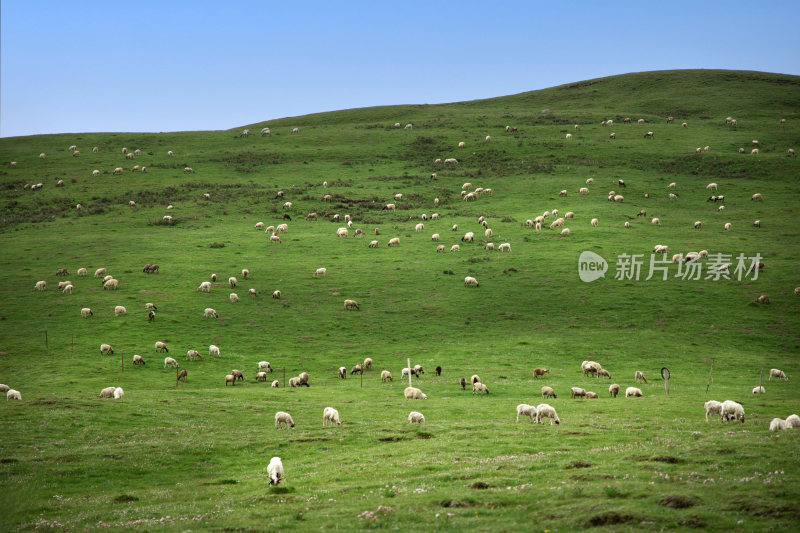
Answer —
194 456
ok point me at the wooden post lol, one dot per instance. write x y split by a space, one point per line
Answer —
45 339
665 376
284 377
710 372
761 380
362 378
122 360
408 360
176 376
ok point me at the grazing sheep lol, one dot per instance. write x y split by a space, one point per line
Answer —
275 384
81 272
283 418
68 288
4 387
368 363
302 379
562 192
188 170
504 247
120 310
293 382
731 411
470 281
40 285
342 372
274 238
763 299
275 470
564 232
526 410
475 379
577 392
638 377
265 366
394 241
468 237
209 312
569 136
591 395
138 360
759 390
118 393
613 390
161 347
413 393
544 410
330 416
602 372
648 135
480 388
230 378
594 222
712 407
234 297
321 272
193 354
111 285
548 392
463 383
633 391
350 304
415 417
792 421
727 226
276 295
86 312
777 374
627 224
169 361
13 394
655 221
107 392
358 369
106 348
777 424
233 281
386 375
538 372
373 244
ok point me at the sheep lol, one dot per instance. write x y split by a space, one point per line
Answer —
368 363
413 393
394 241
544 410
350 304
276 295
274 238
591 395
462 144
648 135
138 360
275 384
672 196
627 224
469 281
763 299
81 272
358 369
389 207
283 418
238 374
603 372
548 392
577 392
727 226
330 416
419 227
475 379
638 377
451 160
161 347
373 244
754 151
618 198
151 315
107 392
731 411
118 393
321 272
107 278
409 371
209 312
777 374
660 249
480 388
106 348
538 372
594 222
655 221
192 355
169 361
613 390
111 285
759 390
455 248
633 391
261 376
526 410
287 205
86 312
302 379
188 170
342 371
415 417
13 394
40 285
265 366
293 382
68 288
120 310
4 387
205 286
463 383
564 232
231 379
777 424
233 282
793 421
569 136
712 407
386 375
234 297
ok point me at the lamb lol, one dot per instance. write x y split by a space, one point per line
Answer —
758 390
777 424
293 382
613 390
538 372
40 285
161 347
68 288
320 272
504 247
548 392
470 281
564 232
350 304
777 374
283 418
342 372
731 411
209 312
638 376
86 312
138 360
234 297
386 375
107 392
544 410
633 391
330 416
13 394
526 410
182 376
407 371
106 348
413 393
81 272
394 241
577 392
415 417
712 407
169 361
480 388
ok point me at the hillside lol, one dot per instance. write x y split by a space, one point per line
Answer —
197 452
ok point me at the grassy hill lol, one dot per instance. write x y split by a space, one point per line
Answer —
194 456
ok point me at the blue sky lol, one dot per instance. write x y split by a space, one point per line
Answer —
173 65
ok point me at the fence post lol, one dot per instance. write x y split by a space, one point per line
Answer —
45 339
710 372
122 361
665 376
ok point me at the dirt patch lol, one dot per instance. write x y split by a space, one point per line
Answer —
480 485
667 459
579 464
125 498
393 438
456 503
610 518
677 501
757 507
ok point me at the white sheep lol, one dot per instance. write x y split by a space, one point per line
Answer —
777 374
281 418
106 348
86 312
261 376
275 384
330 416
118 393
544 410
233 282
276 295
274 238
777 424
4 388
234 297
373 244
120 310
712 407
13 394
419 227
759 390
275 467
169 361
40 285
793 421
633 391
351 304
321 272
526 410
470 281
209 312
138 360
577 392
415 417
161 347
639 377
564 232
480 388
731 411
205 286
413 393
264 365
107 392
386 376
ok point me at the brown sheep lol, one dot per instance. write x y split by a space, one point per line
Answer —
182 375
538 372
